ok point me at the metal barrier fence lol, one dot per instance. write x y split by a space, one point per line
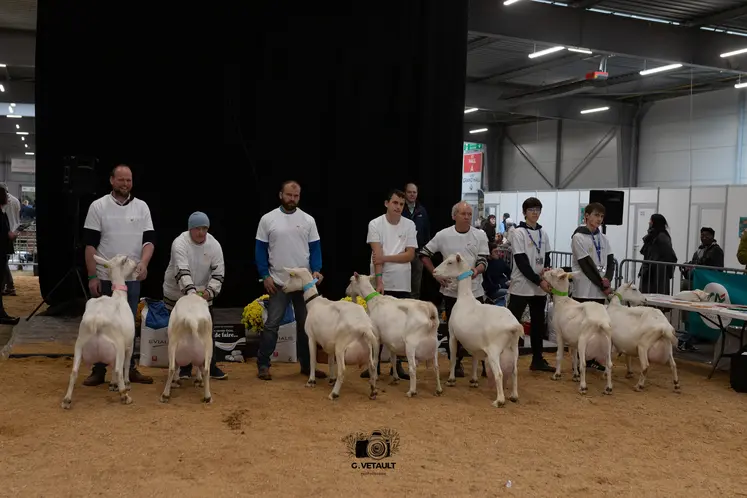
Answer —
659 277
24 257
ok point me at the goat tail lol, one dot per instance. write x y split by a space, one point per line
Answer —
597 317
667 332
192 324
373 343
433 319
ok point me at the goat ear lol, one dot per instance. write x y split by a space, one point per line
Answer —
355 275
101 261
459 258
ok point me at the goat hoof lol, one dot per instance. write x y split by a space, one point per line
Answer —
332 382
629 375
198 383
126 400
677 388
638 388
583 390
451 382
513 399
499 404
394 382
333 396
113 387
576 378
373 395
410 394
66 403
607 390
439 392
473 383
311 383
175 384
555 376
207 401
164 398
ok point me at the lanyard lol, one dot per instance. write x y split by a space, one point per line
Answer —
598 247
539 247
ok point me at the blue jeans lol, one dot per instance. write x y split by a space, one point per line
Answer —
133 297
268 339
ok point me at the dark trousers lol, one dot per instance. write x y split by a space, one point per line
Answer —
268 340
133 297
449 303
538 325
8 275
188 368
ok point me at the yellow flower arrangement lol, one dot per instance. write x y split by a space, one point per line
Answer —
252 315
358 300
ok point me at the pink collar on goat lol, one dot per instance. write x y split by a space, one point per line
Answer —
119 287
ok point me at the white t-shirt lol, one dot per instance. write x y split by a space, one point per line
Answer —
288 236
394 239
470 245
13 210
582 245
194 267
121 227
521 243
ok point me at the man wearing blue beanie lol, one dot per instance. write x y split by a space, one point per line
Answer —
196 266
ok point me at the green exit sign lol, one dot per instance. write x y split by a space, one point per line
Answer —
469 146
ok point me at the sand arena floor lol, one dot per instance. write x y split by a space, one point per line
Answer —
279 438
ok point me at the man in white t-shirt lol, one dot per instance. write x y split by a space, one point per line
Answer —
12 209
531 247
593 263
118 223
287 237
472 244
393 240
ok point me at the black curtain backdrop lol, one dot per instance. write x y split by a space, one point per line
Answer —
213 111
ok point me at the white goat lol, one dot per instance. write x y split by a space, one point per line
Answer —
405 326
342 328
190 341
107 331
641 332
584 327
486 331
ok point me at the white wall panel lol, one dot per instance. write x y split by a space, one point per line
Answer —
566 219
673 203
549 200
539 140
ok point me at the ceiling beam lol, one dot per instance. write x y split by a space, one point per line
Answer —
491 98
479 42
717 18
606 33
524 69
18 48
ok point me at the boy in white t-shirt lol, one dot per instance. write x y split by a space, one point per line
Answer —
531 247
393 239
593 263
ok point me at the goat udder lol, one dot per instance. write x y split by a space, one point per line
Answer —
660 352
190 352
98 350
426 349
357 354
596 349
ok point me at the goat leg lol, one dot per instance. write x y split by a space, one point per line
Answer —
629 366
119 373
312 362
608 368
439 389
411 367
68 399
582 388
451 382
340 354
494 358
166 394
673 365
206 396
643 358
558 355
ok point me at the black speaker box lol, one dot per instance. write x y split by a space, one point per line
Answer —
613 202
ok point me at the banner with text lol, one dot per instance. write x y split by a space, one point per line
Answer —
472 172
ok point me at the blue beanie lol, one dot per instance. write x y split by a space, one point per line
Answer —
198 219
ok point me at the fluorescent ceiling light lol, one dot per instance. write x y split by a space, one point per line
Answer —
2 65
26 145
471 109
2 88
22 133
597 109
13 116
736 52
740 85
660 69
23 138
18 127
509 2
580 50
546 51
478 130
29 153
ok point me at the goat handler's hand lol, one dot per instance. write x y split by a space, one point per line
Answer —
474 273
269 285
607 291
605 283
444 281
141 271
318 276
12 235
545 286
94 285
380 285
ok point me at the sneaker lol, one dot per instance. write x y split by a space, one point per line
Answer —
9 320
185 372
596 365
541 366
217 373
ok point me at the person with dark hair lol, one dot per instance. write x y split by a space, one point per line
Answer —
7 236
657 246
393 240
489 227
531 250
11 207
287 237
593 263
708 254
502 225
118 223
497 276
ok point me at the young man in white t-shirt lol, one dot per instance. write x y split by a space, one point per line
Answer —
118 223
472 244
593 263
530 245
393 240
286 238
